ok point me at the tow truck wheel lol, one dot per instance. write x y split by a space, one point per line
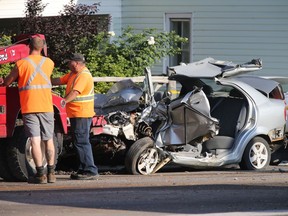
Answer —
20 159
4 169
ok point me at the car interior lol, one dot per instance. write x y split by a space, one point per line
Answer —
229 106
231 112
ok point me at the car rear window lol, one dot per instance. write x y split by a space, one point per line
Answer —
277 93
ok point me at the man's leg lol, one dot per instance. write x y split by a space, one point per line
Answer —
50 152
40 177
81 129
47 131
50 158
36 151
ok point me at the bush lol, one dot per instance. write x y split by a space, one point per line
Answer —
128 54
5 68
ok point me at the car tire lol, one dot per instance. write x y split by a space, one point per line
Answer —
257 155
142 157
20 159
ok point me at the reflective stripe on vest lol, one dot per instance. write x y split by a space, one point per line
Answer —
37 70
83 98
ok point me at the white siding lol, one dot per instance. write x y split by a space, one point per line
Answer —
224 29
111 7
16 8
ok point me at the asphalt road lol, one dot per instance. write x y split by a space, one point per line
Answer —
170 192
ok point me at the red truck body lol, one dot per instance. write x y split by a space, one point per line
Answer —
18 50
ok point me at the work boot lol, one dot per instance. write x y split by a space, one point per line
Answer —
74 175
51 174
36 179
84 176
51 177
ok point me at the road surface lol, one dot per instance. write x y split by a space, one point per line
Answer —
193 192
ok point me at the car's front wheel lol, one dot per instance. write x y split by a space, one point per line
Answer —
257 155
142 157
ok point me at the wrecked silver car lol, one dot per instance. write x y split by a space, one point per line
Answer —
220 117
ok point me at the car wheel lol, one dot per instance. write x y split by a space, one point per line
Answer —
142 157
257 155
20 159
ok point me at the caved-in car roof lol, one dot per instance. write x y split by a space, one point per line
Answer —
210 68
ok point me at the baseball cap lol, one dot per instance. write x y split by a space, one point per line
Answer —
75 57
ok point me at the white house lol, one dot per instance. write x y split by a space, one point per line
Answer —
16 8
223 29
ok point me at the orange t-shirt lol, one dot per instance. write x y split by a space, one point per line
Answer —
83 83
34 89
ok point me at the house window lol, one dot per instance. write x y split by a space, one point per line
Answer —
181 24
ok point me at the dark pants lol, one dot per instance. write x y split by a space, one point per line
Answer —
80 128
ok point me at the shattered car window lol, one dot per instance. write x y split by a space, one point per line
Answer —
209 86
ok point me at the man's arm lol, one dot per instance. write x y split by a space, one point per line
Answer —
71 96
56 81
11 77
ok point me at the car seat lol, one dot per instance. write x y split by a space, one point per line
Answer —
231 112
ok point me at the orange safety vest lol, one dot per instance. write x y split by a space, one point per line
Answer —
83 105
34 84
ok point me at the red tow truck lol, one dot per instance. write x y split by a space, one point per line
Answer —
16 161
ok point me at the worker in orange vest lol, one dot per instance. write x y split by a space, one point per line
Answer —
33 74
79 100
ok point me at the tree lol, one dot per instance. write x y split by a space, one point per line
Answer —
33 12
63 32
77 29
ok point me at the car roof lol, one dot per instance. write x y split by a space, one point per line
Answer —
210 68
259 83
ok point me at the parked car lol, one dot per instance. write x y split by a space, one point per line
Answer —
220 117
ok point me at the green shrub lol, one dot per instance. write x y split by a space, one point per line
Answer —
128 54
5 69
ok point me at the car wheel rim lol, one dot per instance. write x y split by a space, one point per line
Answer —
29 157
258 155
148 161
